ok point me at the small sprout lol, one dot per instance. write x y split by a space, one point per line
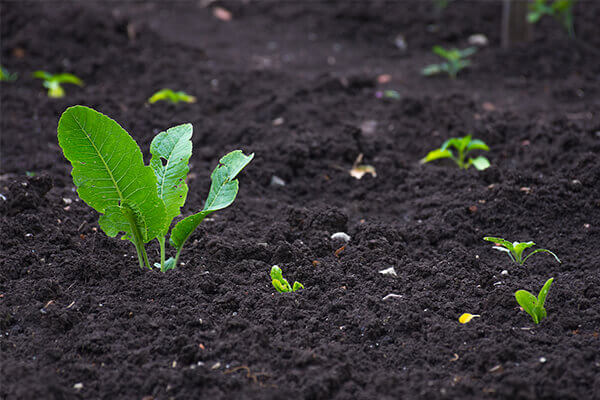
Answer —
6 76
52 82
387 94
171 96
455 61
359 170
463 145
534 306
515 249
281 284
466 317
560 10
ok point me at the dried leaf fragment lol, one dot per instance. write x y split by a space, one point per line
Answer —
359 170
466 317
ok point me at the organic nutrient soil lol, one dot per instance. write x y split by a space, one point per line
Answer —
296 83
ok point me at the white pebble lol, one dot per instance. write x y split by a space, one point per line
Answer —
341 236
388 271
277 181
78 386
392 296
504 272
543 359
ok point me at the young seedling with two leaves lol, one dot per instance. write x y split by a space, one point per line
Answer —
53 82
560 10
171 97
456 60
281 284
140 200
462 146
534 306
6 76
515 249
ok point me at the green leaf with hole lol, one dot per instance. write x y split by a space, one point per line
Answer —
109 172
171 151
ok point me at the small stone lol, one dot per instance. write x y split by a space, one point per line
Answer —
216 365
368 127
504 272
389 271
278 121
78 386
543 359
67 201
384 78
400 43
478 39
341 236
392 296
277 181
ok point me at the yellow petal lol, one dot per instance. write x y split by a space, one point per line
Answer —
466 317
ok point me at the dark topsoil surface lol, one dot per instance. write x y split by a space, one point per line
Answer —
75 308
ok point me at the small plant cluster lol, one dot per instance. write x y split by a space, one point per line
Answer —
6 76
560 10
463 146
455 61
137 199
533 305
280 283
54 82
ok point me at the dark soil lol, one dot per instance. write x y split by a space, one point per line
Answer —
80 320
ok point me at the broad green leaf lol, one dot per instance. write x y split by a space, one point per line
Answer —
480 162
109 171
477 144
171 151
436 155
457 143
544 292
223 190
528 302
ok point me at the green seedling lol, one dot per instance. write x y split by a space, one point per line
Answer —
515 249
281 284
171 96
463 146
456 60
140 200
53 82
534 306
560 10
6 76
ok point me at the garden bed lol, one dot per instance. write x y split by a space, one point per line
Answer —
295 83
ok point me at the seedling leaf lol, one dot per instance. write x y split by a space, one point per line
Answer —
527 301
109 172
171 151
436 154
480 163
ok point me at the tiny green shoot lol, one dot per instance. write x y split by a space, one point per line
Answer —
515 249
141 200
534 306
560 10
6 76
462 146
171 97
280 283
456 60
53 82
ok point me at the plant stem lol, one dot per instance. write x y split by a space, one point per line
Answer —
139 254
161 241
138 240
